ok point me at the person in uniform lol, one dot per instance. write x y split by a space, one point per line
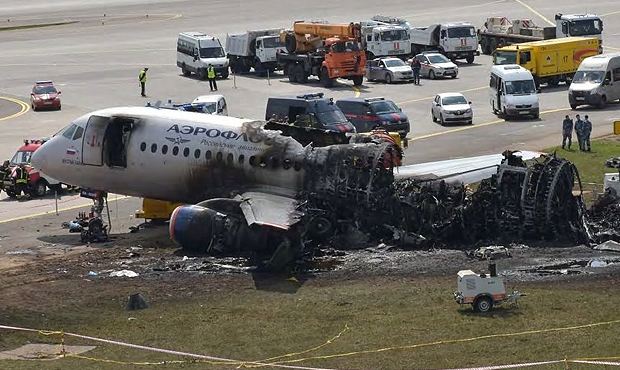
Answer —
142 79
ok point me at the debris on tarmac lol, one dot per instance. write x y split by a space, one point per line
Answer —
124 273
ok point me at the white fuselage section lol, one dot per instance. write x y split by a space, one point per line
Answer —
171 155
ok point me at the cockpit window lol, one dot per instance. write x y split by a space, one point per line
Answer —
68 133
79 131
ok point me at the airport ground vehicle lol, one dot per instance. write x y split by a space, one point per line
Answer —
501 31
309 110
483 291
596 82
383 39
44 96
208 104
368 113
196 50
38 182
455 40
329 51
451 107
388 70
434 65
512 91
550 61
254 49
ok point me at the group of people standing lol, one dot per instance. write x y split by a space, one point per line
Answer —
583 129
211 76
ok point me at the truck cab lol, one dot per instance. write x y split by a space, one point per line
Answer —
385 40
267 47
568 25
456 40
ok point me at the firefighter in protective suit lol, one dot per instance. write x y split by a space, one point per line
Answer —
21 181
5 173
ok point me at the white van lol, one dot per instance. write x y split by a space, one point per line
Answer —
512 91
196 50
212 104
596 82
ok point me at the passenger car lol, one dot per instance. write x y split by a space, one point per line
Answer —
367 113
388 70
44 95
451 107
435 65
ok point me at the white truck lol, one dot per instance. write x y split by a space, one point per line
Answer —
254 49
456 40
483 291
501 31
382 39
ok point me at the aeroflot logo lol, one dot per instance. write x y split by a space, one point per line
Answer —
212 133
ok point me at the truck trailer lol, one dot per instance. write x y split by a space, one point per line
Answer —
455 40
254 49
550 61
501 31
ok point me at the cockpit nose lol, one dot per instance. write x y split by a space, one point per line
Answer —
39 158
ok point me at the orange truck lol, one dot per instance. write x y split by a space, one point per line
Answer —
329 51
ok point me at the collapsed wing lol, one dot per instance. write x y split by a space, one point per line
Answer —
466 170
267 209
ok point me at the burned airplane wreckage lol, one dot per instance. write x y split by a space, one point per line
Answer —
340 187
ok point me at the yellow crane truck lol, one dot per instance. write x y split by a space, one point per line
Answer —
550 61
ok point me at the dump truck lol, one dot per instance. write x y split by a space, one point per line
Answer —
329 51
455 40
550 61
501 31
382 39
254 49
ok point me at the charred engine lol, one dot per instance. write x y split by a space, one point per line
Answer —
519 202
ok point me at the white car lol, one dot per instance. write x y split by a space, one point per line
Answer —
388 70
212 104
451 107
434 65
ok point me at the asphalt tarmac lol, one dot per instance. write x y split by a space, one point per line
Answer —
95 61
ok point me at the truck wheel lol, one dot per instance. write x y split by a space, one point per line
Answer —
553 81
184 70
573 106
10 193
388 78
259 68
39 189
325 80
358 80
301 74
483 304
291 71
470 59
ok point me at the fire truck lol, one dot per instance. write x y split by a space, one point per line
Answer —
38 182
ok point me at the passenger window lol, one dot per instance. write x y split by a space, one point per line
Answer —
208 155
197 153
79 131
230 159
253 161
186 152
241 158
164 149
68 133
617 74
369 37
286 164
218 156
143 146
153 148
175 150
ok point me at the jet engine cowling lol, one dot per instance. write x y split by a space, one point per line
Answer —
200 229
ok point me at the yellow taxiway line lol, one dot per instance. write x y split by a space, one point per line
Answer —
24 107
33 215
432 97
458 129
536 12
